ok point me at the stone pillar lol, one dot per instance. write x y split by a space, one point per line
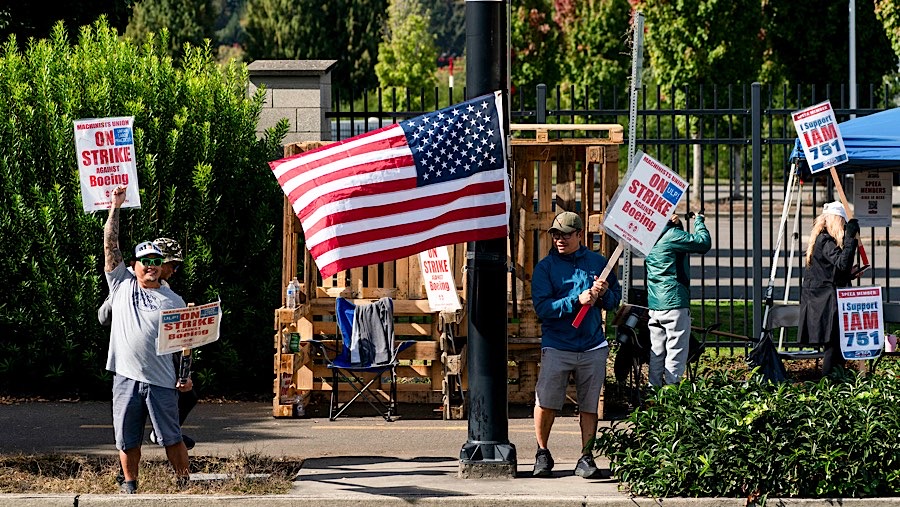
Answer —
299 90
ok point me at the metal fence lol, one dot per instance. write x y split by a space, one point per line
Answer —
731 143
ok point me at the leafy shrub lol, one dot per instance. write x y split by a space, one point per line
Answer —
203 181
725 438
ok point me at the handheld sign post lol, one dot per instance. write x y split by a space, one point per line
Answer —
861 317
183 329
824 148
638 211
106 160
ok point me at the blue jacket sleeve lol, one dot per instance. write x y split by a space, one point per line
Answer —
545 302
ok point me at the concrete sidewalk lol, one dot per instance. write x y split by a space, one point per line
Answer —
362 461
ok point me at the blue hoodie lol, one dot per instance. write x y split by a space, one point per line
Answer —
558 280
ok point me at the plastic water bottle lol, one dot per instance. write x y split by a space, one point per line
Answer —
290 300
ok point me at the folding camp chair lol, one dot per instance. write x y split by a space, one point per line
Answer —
788 316
363 364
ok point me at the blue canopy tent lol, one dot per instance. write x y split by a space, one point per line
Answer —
872 142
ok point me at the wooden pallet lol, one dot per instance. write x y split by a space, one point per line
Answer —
548 176
602 133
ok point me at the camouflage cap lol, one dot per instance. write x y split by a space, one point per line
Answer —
170 249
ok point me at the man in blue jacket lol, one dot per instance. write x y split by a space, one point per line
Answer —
669 298
564 281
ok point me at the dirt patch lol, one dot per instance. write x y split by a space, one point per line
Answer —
243 474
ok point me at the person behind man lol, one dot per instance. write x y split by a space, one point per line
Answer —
669 298
144 383
833 242
564 281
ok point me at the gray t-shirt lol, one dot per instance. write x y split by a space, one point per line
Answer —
135 326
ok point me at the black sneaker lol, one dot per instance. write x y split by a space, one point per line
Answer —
120 477
128 488
543 463
587 468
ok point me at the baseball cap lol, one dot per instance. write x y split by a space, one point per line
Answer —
147 248
835 208
170 249
566 222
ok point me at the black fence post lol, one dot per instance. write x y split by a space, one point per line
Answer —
541 106
756 155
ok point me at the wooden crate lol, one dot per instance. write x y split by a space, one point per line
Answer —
548 176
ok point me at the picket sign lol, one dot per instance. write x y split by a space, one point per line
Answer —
638 211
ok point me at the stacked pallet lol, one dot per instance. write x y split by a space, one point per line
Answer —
548 176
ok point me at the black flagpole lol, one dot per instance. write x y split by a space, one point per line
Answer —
488 452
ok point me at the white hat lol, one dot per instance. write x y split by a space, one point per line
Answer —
147 248
835 208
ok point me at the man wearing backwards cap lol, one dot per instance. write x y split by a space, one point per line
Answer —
833 241
144 384
563 282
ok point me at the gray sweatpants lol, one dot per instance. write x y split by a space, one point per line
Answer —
670 332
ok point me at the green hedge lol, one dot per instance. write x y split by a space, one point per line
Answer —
719 437
203 179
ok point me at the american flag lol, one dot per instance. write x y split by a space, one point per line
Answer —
433 180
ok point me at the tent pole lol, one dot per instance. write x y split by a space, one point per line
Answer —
784 211
781 227
795 240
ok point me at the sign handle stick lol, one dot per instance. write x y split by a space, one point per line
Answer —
184 369
843 196
610 265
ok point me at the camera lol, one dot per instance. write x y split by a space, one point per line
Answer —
628 330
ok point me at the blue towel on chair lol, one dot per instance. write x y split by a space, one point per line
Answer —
373 333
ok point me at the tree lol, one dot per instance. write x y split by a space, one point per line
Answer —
888 12
535 41
703 41
342 30
187 21
365 24
595 34
806 49
407 57
448 22
27 19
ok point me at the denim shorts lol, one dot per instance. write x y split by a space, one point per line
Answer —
133 401
589 369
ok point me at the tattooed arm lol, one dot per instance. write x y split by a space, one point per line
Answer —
111 251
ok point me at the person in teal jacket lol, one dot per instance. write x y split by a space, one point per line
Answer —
564 281
669 298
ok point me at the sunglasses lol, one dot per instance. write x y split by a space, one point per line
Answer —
152 261
558 235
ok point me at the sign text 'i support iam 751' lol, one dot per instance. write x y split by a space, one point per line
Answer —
820 136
